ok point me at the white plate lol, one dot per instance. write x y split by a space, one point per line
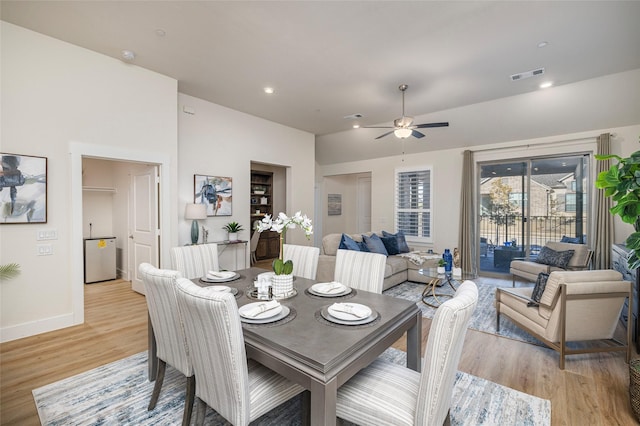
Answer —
314 290
345 316
220 288
283 314
243 310
229 276
326 315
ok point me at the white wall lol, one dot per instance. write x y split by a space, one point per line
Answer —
54 93
219 141
447 175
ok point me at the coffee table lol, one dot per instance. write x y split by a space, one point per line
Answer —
438 280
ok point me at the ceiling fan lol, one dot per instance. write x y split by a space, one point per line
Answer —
403 127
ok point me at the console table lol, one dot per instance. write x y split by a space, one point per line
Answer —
619 255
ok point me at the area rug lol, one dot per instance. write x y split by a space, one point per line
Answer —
484 317
118 394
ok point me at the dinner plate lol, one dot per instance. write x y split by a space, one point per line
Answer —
245 309
284 311
223 289
324 312
314 290
228 276
345 316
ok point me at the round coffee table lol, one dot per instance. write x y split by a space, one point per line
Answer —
429 296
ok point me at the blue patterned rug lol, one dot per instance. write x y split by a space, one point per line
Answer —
484 317
118 394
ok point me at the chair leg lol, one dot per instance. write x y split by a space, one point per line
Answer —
188 400
162 366
200 412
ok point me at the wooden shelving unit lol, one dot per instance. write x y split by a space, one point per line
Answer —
262 204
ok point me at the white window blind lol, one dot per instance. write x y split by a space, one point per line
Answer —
413 203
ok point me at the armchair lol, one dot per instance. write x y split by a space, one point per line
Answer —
576 306
529 269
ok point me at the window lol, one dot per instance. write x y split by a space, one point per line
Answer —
413 203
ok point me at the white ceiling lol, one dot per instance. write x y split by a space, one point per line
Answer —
330 59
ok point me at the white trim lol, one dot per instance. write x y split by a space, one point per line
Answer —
77 151
27 329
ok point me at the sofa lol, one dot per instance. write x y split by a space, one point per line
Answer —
398 269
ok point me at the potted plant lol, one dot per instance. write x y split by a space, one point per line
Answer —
622 183
441 264
9 271
283 279
233 228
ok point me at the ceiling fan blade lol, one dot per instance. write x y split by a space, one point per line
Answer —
417 134
424 126
385 134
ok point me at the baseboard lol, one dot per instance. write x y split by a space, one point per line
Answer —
32 328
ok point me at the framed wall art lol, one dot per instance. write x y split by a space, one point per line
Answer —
334 203
215 192
23 189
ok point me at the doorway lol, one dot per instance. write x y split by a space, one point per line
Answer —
523 203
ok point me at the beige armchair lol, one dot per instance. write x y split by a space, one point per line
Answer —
529 270
576 306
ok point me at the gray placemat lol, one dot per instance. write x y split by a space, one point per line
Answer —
346 296
292 315
322 320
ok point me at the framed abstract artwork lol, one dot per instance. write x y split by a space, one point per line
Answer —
215 193
23 189
334 204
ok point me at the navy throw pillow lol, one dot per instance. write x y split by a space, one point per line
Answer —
391 244
348 243
403 247
551 257
572 240
363 246
375 244
541 283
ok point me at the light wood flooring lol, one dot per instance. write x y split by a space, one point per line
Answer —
592 390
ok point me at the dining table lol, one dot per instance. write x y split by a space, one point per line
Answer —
319 353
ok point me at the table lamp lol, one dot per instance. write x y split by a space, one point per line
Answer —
195 212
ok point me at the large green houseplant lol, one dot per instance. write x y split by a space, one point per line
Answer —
622 183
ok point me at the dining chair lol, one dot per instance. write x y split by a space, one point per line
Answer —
194 261
253 246
171 342
238 389
360 270
305 260
390 394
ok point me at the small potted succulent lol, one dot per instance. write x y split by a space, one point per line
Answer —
233 228
441 265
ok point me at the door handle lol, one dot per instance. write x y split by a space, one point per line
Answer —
131 237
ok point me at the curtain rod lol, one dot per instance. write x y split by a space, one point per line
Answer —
575 140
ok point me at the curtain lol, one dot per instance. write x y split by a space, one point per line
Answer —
467 241
603 237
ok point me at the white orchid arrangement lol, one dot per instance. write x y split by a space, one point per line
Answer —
280 225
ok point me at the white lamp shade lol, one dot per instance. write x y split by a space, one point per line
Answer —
402 133
195 211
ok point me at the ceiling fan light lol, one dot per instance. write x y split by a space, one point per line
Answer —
402 133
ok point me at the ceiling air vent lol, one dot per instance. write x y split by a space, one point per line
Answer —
527 74
353 116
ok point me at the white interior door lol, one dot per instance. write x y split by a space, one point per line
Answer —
143 221
364 204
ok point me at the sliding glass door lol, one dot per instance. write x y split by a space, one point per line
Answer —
526 202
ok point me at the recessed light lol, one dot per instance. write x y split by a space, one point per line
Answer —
543 44
128 55
269 90
160 32
356 126
546 85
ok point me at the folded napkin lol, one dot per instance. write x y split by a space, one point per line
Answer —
215 275
329 288
358 311
260 308
220 288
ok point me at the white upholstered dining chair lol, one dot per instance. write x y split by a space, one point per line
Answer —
305 260
171 342
391 394
238 389
360 270
195 261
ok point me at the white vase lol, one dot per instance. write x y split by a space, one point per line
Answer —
233 236
441 269
282 285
